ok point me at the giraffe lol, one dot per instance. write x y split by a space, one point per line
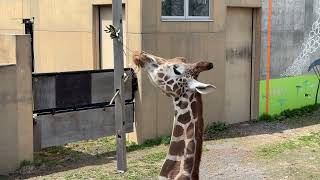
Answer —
178 79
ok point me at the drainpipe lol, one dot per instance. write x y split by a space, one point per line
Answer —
28 29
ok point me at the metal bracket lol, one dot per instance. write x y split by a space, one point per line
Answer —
114 97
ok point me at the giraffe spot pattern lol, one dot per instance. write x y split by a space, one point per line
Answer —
166 78
170 82
177 148
178 131
194 108
184 118
168 88
155 65
170 169
175 87
191 97
183 104
160 75
179 91
191 147
185 96
190 131
188 164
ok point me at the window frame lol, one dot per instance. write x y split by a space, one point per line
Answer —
186 16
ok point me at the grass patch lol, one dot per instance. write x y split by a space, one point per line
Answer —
74 152
154 157
312 141
290 113
215 127
149 143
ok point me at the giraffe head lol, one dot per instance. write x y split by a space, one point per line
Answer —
174 77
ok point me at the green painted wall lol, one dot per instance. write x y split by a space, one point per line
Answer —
288 93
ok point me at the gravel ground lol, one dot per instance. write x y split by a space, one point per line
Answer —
231 154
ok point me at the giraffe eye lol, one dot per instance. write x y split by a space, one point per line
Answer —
175 70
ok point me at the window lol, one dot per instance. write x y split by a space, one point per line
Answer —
185 9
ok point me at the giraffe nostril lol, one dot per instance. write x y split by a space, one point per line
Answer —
210 66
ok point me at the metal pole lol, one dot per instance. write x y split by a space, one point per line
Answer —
119 86
316 100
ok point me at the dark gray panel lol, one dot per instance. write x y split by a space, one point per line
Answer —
44 94
103 89
75 89
80 125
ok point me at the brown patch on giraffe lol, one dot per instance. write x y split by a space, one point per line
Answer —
160 75
185 96
179 91
198 134
188 164
155 65
194 109
170 169
183 104
191 98
177 148
183 177
170 82
184 118
177 131
168 88
160 81
166 78
190 131
191 147
175 87
175 112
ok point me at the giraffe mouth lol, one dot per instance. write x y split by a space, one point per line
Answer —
139 59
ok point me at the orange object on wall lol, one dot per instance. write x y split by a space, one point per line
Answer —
269 38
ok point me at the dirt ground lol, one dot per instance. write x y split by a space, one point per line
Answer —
289 149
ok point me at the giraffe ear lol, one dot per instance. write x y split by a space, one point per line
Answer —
201 87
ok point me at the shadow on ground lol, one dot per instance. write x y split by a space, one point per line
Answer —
58 159
252 128
64 158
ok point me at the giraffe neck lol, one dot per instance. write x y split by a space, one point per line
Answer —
183 159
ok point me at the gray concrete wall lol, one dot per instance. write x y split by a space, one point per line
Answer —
16 131
291 22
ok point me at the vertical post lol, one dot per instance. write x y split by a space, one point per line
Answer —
119 86
316 100
268 61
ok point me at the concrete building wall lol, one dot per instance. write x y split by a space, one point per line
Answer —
66 38
193 40
291 23
16 131
65 34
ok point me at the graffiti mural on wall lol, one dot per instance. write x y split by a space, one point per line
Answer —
288 93
295 44
311 45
